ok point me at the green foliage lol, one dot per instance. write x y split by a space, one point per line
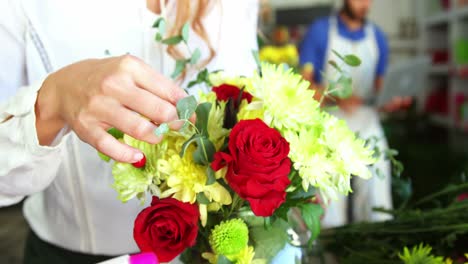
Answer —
172 40
203 112
115 133
351 60
185 32
205 151
187 143
420 255
202 199
311 214
162 129
157 22
179 68
104 157
268 242
195 56
211 176
186 107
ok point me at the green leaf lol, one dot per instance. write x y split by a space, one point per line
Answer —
257 61
205 151
158 37
186 107
300 193
172 40
157 22
211 176
187 144
201 198
104 157
352 60
203 113
179 68
192 83
195 56
268 243
343 88
311 214
162 129
115 133
334 65
162 27
223 260
185 32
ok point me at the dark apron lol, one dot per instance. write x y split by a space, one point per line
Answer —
38 251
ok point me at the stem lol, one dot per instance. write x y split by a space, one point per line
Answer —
440 193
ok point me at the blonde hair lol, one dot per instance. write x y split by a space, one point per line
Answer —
193 12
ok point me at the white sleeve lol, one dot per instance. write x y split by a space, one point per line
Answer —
25 166
237 37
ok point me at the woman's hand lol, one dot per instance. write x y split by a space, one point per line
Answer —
93 95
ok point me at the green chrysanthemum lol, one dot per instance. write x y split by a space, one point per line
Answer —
229 237
420 255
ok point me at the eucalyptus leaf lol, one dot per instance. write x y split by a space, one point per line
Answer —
115 133
186 107
162 129
344 87
104 157
179 68
223 260
205 151
203 112
311 214
192 83
158 37
195 56
211 176
352 60
185 32
157 22
334 65
268 243
172 40
162 27
202 199
187 143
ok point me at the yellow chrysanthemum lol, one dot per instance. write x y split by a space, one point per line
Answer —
285 96
220 77
245 256
250 111
280 54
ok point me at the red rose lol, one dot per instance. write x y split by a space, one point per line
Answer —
462 197
166 228
224 92
258 165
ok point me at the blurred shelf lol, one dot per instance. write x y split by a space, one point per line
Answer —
438 19
461 12
440 69
403 44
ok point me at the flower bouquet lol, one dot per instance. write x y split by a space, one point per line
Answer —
223 186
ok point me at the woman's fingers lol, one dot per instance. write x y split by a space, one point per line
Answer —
147 78
149 105
130 123
107 144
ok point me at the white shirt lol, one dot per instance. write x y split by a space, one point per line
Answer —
71 203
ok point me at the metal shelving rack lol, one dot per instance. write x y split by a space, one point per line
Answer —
440 30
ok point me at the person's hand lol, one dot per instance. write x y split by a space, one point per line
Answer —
349 105
93 95
397 103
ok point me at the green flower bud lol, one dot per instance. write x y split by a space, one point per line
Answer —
229 237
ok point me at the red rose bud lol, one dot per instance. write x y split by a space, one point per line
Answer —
166 228
141 163
224 92
462 197
258 165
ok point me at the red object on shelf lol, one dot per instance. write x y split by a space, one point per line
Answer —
445 4
437 102
440 56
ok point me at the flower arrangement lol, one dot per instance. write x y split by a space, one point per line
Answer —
222 186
